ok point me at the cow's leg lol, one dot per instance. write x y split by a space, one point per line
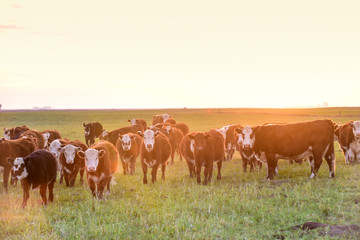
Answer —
330 159
191 168
43 193
124 165
87 141
163 168
154 172
256 162
132 166
67 178
144 168
92 187
208 172
6 173
108 186
51 190
100 188
251 163
317 164
82 170
172 155
244 163
219 165
198 171
26 194
179 153
271 162
61 176
73 177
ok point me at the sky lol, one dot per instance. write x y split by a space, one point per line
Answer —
173 54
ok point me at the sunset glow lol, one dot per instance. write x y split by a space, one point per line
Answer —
166 54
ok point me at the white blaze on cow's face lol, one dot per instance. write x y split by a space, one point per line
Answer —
55 148
104 134
6 134
87 130
126 142
91 159
70 153
168 129
19 170
356 129
149 140
133 121
46 138
246 138
165 117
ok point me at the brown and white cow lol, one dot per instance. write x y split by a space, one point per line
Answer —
230 138
245 145
113 135
175 136
161 118
49 136
101 160
128 146
138 121
208 148
92 130
34 170
349 139
71 163
314 139
12 149
55 148
155 151
15 132
32 133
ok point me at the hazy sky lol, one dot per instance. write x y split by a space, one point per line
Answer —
159 54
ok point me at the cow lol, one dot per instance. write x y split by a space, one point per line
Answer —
187 152
12 149
313 139
162 118
207 148
36 169
49 136
56 148
138 121
128 146
101 161
92 130
229 135
71 163
175 136
113 135
349 140
15 132
31 133
155 150
245 145
170 121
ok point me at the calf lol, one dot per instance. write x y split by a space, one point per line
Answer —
349 139
207 148
56 148
12 149
175 136
113 135
36 169
229 135
245 145
40 142
138 121
92 131
155 150
71 163
187 151
14 133
314 139
49 136
128 146
101 161
162 118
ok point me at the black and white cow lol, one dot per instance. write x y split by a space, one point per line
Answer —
36 169
92 131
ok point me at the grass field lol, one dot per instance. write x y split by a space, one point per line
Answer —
240 206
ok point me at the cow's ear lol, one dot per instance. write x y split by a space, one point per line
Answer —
102 153
140 133
81 154
84 124
129 120
192 137
238 130
10 161
78 149
132 137
351 124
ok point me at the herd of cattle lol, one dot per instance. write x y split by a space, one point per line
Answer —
35 157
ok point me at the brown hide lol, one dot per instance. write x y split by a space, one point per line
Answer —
113 135
175 136
128 158
40 142
186 152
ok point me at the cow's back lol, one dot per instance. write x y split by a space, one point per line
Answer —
346 134
215 145
162 147
40 144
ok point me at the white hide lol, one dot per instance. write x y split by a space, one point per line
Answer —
46 138
356 129
18 162
133 121
55 149
223 131
91 159
245 139
149 140
70 153
165 117
7 134
126 142
104 133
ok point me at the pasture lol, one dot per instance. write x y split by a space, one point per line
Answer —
240 206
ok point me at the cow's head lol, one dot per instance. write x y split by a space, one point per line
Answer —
92 157
246 137
132 121
149 138
46 138
70 153
7 133
223 130
87 129
168 129
356 129
198 141
165 116
18 170
126 140
55 148
104 135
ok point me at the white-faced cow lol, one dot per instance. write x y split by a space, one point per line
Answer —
207 148
161 118
138 121
49 136
245 143
128 146
175 136
15 132
92 131
229 135
12 149
71 163
349 139
56 148
113 135
101 161
36 169
314 139
155 151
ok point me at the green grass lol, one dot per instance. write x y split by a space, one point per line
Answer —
240 206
